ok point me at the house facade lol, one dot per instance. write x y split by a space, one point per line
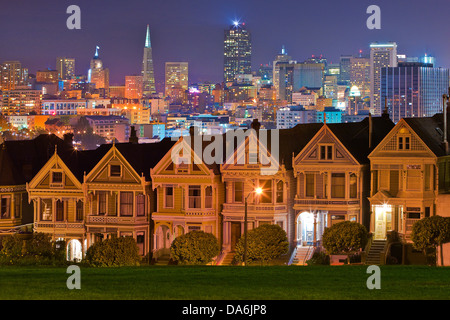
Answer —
189 196
405 172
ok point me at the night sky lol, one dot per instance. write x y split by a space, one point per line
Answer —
35 32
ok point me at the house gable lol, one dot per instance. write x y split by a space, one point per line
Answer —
55 175
402 141
325 148
113 168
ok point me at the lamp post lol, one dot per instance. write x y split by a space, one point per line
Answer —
258 191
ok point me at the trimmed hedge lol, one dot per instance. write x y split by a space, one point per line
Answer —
345 237
265 243
195 247
113 252
37 250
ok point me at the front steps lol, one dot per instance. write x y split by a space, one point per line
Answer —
163 260
228 259
376 252
302 255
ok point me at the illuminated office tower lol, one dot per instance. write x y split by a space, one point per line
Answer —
133 87
360 75
148 74
237 52
381 55
65 68
282 57
344 69
413 89
97 74
12 75
176 77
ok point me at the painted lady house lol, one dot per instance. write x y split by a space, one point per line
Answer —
19 162
189 195
262 161
405 169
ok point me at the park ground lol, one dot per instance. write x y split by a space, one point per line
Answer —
225 283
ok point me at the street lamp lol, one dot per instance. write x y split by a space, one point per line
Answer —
258 191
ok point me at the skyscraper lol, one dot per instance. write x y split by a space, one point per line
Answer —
237 52
133 87
413 89
12 75
148 73
344 69
360 75
65 67
381 55
97 74
177 74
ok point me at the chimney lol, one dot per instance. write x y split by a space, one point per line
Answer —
133 137
68 140
370 130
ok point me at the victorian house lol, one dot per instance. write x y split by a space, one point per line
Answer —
19 162
189 194
406 167
260 160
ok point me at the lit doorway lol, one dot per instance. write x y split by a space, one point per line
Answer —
74 251
383 220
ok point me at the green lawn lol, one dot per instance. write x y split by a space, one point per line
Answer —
229 283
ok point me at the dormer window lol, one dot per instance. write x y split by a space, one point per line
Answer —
57 177
115 170
404 143
326 152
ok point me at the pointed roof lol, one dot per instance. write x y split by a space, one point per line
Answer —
430 130
9 175
148 44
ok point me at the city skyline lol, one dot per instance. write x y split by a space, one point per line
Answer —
194 33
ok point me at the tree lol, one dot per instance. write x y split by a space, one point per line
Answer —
195 247
113 252
346 237
431 232
265 243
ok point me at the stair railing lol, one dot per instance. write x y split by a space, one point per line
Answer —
294 252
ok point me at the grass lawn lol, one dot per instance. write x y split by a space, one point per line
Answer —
226 283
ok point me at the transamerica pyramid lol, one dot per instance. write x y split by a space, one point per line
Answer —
147 67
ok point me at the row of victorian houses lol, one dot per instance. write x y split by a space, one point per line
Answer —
373 172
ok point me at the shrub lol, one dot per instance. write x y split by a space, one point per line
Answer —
195 247
345 237
113 252
39 249
319 258
430 233
265 243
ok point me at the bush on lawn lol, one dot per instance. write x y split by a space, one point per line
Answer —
265 243
319 258
431 233
195 247
38 250
113 252
346 237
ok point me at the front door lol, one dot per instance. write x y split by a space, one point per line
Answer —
235 234
380 225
